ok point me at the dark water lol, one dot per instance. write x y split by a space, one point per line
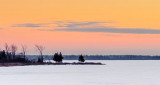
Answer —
99 57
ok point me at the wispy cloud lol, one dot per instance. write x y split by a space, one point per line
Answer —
90 26
112 30
72 24
77 24
29 25
99 27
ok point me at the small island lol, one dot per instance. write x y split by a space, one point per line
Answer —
8 57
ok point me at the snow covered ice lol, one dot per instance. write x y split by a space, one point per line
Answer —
129 72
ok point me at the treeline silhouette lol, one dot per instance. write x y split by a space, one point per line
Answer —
10 55
113 57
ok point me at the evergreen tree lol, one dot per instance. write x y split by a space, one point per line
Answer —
81 58
58 57
55 57
3 56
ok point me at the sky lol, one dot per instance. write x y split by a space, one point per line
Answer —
92 27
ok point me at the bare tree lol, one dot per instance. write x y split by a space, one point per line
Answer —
40 49
14 48
7 48
24 49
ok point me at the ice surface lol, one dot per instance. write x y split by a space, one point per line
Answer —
113 73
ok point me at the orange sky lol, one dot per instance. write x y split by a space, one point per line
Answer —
81 25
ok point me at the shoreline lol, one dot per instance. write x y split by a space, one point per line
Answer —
9 64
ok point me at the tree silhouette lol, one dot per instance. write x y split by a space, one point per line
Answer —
24 49
40 49
14 48
58 57
3 57
81 58
7 49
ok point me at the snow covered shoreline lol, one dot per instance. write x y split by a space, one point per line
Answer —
47 63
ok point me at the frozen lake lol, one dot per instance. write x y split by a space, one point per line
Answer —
113 73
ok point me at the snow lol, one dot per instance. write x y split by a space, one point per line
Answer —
134 72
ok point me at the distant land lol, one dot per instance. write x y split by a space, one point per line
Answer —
100 57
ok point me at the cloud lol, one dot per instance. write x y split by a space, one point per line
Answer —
29 25
90 26
99 27
71 24
75 24
112 30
